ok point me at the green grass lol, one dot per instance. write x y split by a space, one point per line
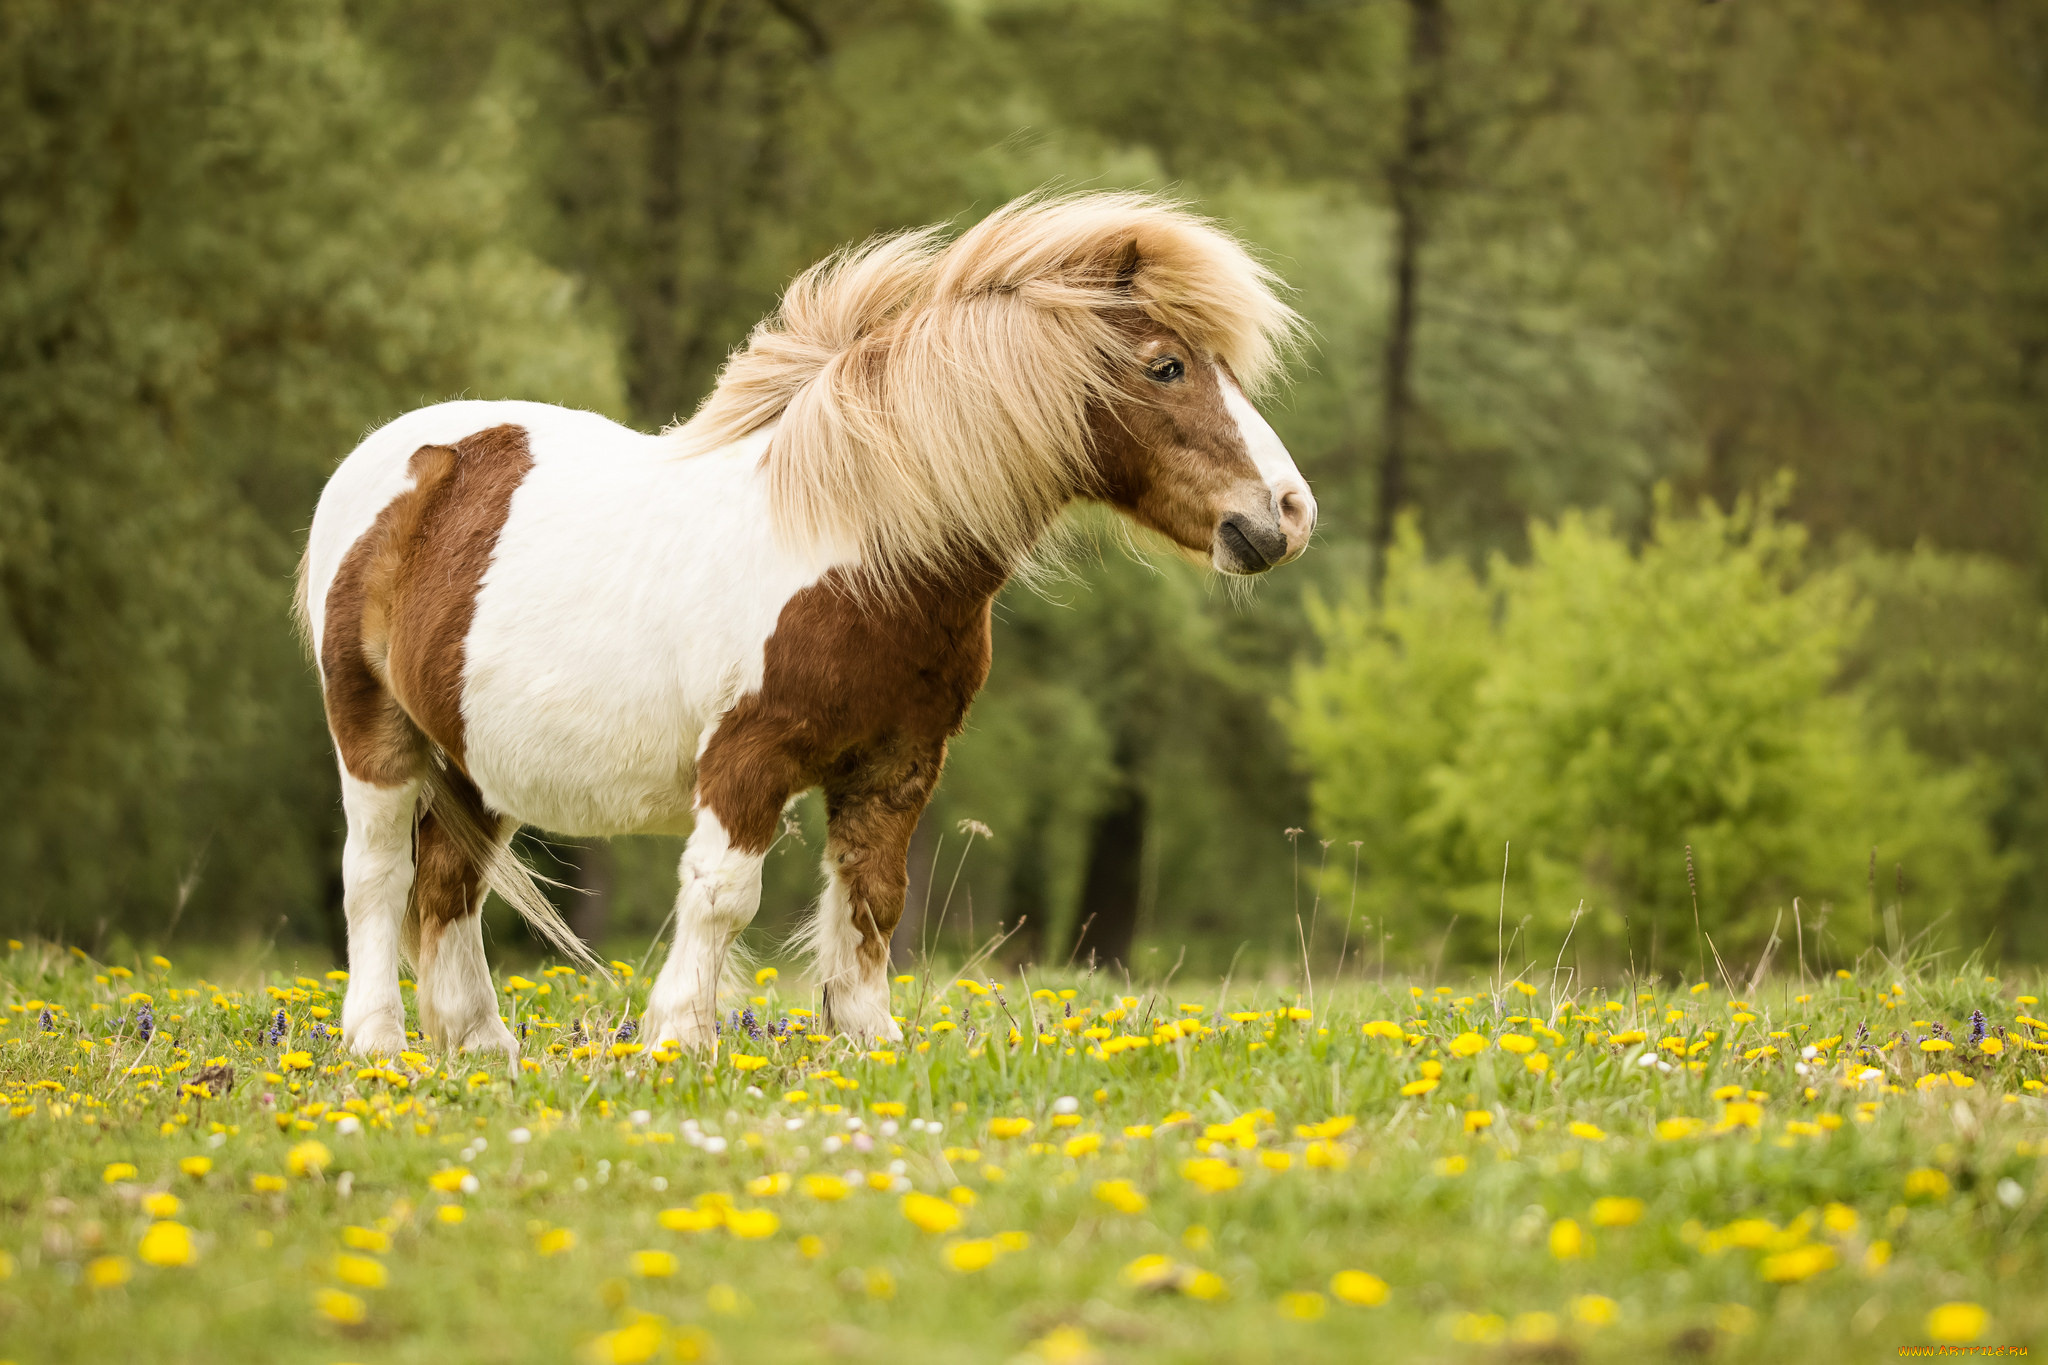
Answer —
1814 1217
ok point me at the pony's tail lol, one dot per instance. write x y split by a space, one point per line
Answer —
500 869
302 610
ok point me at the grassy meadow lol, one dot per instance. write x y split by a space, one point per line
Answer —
1064 1169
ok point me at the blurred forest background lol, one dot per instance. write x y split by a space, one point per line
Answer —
1677 404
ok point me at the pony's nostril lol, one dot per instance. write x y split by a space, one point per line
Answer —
1296 511
1248 546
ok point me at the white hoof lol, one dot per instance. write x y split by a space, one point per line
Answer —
378 1036
861 1015
688 1026
492 1036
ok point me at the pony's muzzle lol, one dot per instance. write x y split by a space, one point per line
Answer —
1251 543
1247 544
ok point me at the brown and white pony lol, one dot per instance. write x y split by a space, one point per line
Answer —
525 614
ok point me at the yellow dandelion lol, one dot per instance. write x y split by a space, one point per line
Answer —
363 1272
162 1205
1567 1239
449 1181
1211 1174
1957 1324
450 1213
308 1158
1359 1287
654 1265
634 1344
196 1166
1594 1310
929 1213
338 1305
1800 1263
701 1219
118 1171
969 1256
1617 1212
167 1244
1469 1044
108 1272
1008 1127
1925 1182
266 1184
752 1225
1151 1271
1587 1131
829 1188
555 1241
1120 1195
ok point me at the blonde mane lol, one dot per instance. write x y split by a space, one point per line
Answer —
933 396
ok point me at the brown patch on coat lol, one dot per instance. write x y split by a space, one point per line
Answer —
400 607
433 595
1170 455
859 694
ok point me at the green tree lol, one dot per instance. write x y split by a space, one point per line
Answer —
225 261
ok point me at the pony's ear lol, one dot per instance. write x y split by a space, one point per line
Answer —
1124 263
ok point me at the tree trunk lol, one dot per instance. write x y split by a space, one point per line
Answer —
655 362
1029 899
591 869
1108 916
1409 177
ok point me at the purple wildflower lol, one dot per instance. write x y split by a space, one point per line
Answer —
145 1023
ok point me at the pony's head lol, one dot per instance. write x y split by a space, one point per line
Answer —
939 402
1183 451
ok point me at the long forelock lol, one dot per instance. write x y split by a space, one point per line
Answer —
932 398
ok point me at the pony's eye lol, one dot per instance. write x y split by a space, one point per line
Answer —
1166 369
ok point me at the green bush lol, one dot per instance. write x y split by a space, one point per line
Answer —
1602 708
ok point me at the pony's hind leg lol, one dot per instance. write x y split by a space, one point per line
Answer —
376 877
457 1002
870 820
721 889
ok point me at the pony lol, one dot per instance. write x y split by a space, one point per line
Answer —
524 614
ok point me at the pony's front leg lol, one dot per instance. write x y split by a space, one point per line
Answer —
376 878
867 849
721 889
